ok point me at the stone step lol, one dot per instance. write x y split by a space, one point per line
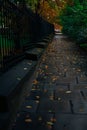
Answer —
34 54
70 122
11 83
41 44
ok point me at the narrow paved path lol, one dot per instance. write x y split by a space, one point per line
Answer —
58 98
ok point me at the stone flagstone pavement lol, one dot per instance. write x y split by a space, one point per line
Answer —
58 97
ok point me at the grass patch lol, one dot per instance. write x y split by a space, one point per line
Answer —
83 45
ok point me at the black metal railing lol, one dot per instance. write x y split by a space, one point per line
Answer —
19 27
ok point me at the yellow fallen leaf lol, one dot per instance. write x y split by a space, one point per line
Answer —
25 68
28 120
37 101
29 63
78 70
35 82
59 99
49 123
55 78
18 78
33 89
53 119
68 92
29 107
46 66
37 97
51 97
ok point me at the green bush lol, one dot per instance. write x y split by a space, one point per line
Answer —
73 18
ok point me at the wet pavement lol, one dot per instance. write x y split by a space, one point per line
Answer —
58 97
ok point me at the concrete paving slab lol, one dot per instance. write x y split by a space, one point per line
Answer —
34 54
70 122
31 121
47 105
41 45
36 94
83 80
79 107
29 106
11 82
66 81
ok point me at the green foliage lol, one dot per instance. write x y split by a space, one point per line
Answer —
73 18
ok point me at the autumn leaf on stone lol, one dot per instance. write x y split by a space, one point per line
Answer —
59 98
35 82
78 70
28 120
38 97
51 98
29 63
37 101
28 107
53 119
46 66
54 78
18 78
49 123
25 68
67 92
43 59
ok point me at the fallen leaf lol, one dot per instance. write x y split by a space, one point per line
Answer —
35 82
46 66
55 78
37 101
33 89
29 63
37 97
78 70
25 68
51 97
29 107
68 92
28 120
59 99
53 119
49 123
50 111
18 78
